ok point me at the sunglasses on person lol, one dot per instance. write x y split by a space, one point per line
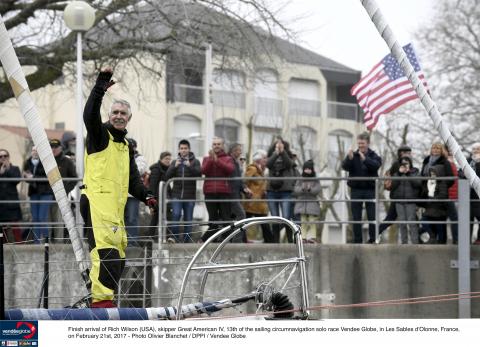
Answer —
4 156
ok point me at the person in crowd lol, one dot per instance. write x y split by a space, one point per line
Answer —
257 190
279 190
403 151
435 165
184 192
68 141
453 196
474 161
406 189
307 206
238 189
132 207
110 174
67 169
243 163
217 190
10 212
158 173
40 194
362 162
296 173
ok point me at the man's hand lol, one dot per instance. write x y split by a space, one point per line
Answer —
104 78
362 155
350 154
178 162
152 203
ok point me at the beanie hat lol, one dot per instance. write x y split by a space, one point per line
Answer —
403 148
308 165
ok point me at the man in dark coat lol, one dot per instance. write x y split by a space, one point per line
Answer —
9 212
66 166
184 191
362 162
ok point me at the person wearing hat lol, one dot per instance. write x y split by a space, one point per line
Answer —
406 190
184 192
110 175
67 169
402 151
307 206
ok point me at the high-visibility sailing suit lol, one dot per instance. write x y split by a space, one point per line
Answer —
110 174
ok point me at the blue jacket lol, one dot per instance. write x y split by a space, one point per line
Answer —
358 168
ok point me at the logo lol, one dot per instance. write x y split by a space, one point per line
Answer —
30 326
18 330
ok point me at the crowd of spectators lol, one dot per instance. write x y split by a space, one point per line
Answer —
276 185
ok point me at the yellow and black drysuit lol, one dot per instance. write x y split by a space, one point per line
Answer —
110 174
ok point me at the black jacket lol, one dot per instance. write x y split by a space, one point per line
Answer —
67 170
97 135
438 209
37 187
185 189
10 212
238 186
280 165
406 189
473 193
158 173
358 168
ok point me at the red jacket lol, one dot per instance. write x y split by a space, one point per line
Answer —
223 167
453 190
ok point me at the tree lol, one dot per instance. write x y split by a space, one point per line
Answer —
142 32
451 42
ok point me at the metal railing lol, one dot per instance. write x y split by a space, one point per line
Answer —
325 183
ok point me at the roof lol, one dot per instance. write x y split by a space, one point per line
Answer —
193 22
23 132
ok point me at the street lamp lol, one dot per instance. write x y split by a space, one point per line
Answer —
79 16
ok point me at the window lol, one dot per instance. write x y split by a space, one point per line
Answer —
339 141
304 142
268 107
303 98
228 129
188 127
228 88
263 137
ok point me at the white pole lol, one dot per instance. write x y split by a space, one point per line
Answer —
79 146
16 77
425 98
209 129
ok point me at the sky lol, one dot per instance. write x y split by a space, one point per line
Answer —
342 30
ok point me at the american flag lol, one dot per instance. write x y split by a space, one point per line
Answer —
386 87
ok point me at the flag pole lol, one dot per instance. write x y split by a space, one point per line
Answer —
16 77
387 34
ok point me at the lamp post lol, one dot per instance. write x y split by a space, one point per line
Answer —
79 16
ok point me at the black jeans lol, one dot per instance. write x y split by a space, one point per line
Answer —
357 209
217 211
